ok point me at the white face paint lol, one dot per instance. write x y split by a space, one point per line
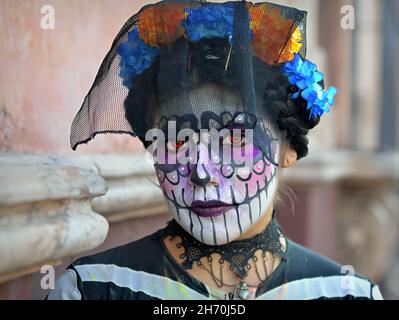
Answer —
216 203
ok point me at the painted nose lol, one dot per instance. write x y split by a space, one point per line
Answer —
200 175
200 171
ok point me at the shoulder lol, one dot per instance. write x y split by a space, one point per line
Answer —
310 275
138 255
306 263
106 275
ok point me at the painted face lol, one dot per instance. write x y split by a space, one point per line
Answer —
217 202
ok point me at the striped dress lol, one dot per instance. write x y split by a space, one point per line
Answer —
144 269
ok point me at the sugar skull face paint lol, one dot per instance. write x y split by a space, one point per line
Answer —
217 202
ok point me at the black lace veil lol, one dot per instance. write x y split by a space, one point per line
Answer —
203 63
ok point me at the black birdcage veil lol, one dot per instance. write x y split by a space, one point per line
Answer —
198 77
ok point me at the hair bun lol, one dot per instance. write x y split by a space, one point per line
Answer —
293 116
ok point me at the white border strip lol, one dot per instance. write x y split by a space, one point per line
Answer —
328 287
138 281
167 289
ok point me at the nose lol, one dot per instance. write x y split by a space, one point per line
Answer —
201 171
200 175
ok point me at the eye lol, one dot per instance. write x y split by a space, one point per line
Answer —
175 145
235 140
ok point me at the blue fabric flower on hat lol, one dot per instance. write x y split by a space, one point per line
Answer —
305 76
319 100
135 57
210 21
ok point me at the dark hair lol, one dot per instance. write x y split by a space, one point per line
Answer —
292 118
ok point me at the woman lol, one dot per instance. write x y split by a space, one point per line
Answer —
223 98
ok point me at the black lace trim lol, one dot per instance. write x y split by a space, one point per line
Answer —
237 253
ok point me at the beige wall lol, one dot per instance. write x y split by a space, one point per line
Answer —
45 74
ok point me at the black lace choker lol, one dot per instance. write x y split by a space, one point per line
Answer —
237 253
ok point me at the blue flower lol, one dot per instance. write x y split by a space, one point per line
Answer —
329 95
301 73
305 76
319 100
136 56
210 21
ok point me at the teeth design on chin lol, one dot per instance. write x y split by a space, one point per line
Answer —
255 207
243 212
202 228
228 219
231 222
226 228
207 231
197 226
185 218
238 221
213 230
191 222
215 241
263 200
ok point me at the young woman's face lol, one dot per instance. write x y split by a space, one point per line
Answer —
216 203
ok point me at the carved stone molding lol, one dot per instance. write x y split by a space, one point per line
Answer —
331 166
133 189
45 212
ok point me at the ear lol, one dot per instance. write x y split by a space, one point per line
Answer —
290 157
